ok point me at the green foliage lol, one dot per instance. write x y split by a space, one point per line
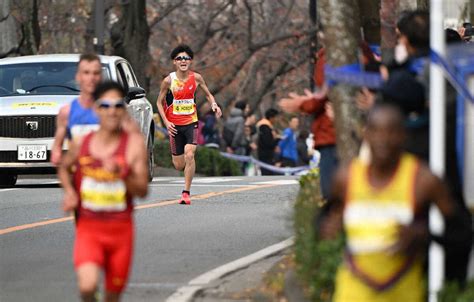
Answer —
162 154
317 260
209 161
451 292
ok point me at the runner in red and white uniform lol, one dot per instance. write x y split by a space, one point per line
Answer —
177 106
110 169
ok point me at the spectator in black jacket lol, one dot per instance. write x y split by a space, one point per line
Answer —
267 139
302 148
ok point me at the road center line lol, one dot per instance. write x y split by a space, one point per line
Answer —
138 207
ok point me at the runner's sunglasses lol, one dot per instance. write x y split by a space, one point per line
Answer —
181 58
104 104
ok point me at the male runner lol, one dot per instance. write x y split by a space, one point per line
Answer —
383 208
110 169
79 118
177 106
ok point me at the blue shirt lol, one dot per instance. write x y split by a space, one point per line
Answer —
288 145
81 120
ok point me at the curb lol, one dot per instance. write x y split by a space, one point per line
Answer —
188 292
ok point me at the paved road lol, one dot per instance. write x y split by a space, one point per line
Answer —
229 218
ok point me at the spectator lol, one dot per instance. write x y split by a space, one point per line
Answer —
267 139
233 132
322 126
452 36
209 126
251 121
287 144
302 147
250 145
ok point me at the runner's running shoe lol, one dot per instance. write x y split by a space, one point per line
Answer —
185 199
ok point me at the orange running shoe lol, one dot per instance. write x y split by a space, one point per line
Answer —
185 199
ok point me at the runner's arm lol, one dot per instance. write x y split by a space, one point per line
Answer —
165 86
60 135
428 189
209 96
137 178
70 199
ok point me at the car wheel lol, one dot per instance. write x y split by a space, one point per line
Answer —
151 160
7 180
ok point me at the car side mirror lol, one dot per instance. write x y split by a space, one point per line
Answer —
135 93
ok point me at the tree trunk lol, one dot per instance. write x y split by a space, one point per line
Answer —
471 7
8 28
424 4
341 25
19 28
130 36
370 20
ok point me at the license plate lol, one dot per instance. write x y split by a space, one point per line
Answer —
32 152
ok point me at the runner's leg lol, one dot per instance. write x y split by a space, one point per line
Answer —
118 262
88 279
112 297
178 162
177 144
190 165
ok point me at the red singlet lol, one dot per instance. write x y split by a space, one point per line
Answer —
180 104
104 233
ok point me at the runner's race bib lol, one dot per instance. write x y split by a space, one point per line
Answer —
108 196
78 131
183 107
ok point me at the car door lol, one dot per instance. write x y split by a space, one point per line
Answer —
134 106
144 113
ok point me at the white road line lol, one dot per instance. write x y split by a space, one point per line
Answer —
199 185
206 180
277 182
187 292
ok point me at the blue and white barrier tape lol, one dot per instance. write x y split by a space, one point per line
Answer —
450 74
279 170
352 74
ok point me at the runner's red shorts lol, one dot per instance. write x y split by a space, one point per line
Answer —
109 244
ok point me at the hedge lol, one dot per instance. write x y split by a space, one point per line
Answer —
316 260
209 161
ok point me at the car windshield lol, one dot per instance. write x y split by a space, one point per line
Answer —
56 78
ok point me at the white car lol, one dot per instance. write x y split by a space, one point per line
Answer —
33 89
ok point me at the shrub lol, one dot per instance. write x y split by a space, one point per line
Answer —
451 292
316 260
209 161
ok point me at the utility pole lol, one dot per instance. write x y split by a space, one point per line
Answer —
99 27
437 145
313 41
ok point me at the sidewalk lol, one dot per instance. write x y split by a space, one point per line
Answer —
267 280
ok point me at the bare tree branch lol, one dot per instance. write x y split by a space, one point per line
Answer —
168 10
6 17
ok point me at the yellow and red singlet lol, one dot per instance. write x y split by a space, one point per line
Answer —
371 218
180 104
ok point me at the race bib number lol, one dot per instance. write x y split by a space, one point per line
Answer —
78 131
98 196
183 107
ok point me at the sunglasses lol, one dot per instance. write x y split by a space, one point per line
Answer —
104 104
181 58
